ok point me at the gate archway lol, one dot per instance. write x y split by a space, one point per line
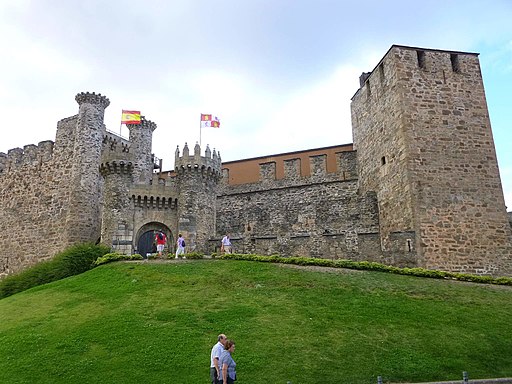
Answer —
146 236
146 244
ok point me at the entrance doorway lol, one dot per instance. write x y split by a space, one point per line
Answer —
146 243
146 238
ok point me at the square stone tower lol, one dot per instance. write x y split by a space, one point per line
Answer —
424 144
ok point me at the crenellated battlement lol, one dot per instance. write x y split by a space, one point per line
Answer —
154 197
68 119
30 155
154 202
209 163
147 124
116 167
15 157
92 98
3 162
346 170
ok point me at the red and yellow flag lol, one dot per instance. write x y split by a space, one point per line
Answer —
130 117
208 120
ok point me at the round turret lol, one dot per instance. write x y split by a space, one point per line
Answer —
197 178
83 219
141 138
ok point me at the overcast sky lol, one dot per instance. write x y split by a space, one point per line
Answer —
278 73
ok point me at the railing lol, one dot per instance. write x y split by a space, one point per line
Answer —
465 380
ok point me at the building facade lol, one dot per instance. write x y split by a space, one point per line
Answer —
420 185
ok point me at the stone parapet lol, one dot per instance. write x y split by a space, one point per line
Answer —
92 98
154 196
3 162
119 167
30 155
346 162
208 165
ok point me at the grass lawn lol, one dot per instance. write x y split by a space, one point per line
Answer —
156 323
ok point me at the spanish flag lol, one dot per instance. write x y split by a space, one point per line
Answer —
208 120
130 117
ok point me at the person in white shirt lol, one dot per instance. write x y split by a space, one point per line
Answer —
180 246
215 369
226 244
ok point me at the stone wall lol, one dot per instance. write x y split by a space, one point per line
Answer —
425 146
36 189
33 209
320 216
51 193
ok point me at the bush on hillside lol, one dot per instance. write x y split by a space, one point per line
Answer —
191 255
194 255
371 266
110 257
72 261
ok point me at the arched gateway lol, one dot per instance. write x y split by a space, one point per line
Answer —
146 236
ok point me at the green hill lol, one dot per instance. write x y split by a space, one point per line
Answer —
156 323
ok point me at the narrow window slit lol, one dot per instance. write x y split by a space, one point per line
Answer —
454 58
421 59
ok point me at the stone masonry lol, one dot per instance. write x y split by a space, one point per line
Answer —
421 187
424 143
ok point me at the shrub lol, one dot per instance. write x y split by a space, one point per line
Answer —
191 255
194 255
110 257
370 266
72 261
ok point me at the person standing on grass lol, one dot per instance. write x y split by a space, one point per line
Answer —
160 240
226 246
227 363
215 373
180 244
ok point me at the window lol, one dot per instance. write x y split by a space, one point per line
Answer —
454 58
421 59
381 73
383 160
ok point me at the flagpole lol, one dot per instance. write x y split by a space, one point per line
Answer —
200 122
121 125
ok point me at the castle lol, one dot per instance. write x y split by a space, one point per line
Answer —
419 186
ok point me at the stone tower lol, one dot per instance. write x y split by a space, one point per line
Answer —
424 144
141 138
124 164
197 178
83 220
